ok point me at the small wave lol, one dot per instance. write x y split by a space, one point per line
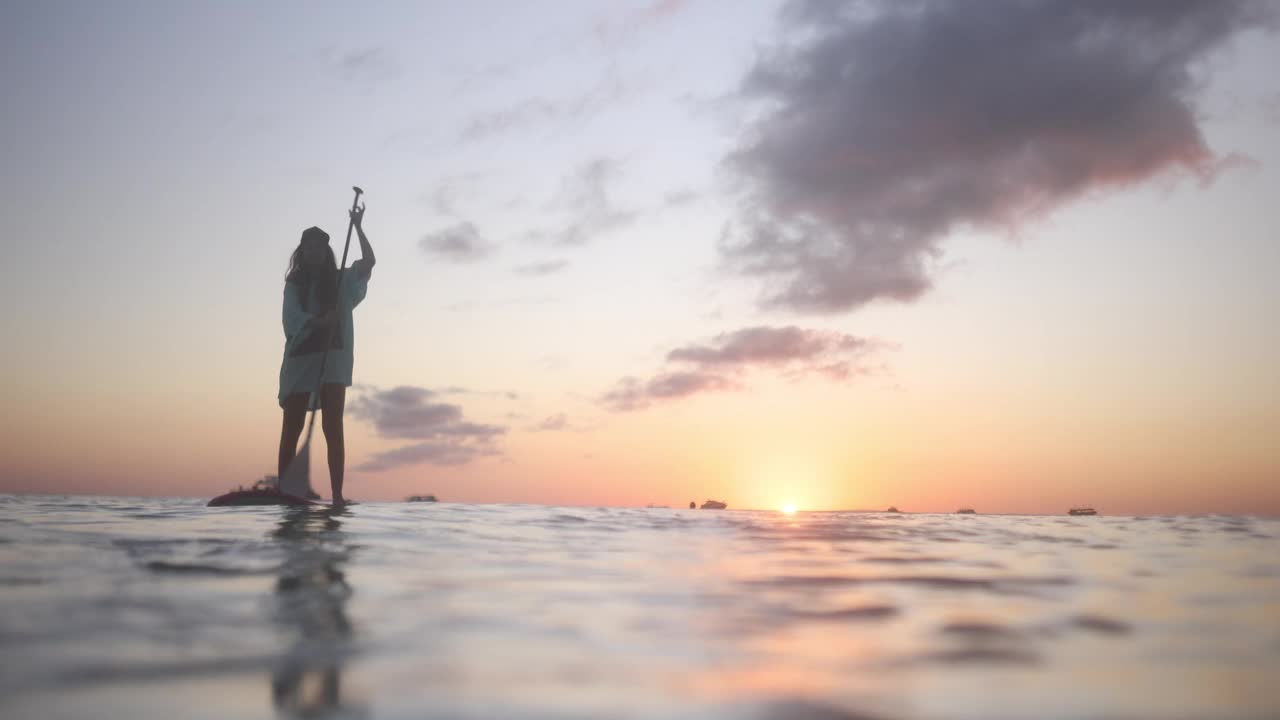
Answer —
808 710
980 630
898 560
863 612
162 566
20 581
981 656
1103 625
1010 585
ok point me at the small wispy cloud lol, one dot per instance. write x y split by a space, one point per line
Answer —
679 198
458 390
370 63
433 453
584 195
536 112
624 25
460 243
790 347
538 269
558 423
444 435
445 196
551 423
722 363
501 304
633 394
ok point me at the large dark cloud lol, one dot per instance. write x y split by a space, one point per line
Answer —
405 412
719 364
886 125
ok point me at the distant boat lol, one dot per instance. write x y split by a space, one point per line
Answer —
652 505
892 509
713 505
420 498
966 511
1082 511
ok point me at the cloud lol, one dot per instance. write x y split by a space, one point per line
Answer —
625 25
365 64
679 198
406 412
540 111
501 304
551 423
558 423
1271 110
584 194
720 363
434 453
538 269
884 126
366 60
449 192
633 394
459 243
527 112
771 347
457 390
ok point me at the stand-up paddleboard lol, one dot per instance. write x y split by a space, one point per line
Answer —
266 491
260 496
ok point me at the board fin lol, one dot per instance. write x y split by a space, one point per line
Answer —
297 477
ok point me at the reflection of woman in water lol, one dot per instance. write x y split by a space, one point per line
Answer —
318 300
311 597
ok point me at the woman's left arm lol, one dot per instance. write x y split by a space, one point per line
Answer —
366 250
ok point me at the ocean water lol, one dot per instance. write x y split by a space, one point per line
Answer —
162 608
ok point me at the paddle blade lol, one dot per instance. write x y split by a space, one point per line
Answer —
297 477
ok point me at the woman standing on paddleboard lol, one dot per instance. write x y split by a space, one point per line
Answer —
314 312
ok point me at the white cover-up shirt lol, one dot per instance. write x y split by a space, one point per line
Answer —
300 373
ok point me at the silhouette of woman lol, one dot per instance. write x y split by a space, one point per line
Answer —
314 315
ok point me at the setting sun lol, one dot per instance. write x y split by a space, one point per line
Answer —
789 508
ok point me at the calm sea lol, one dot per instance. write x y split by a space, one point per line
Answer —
162 608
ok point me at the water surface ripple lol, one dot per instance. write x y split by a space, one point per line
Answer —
161 608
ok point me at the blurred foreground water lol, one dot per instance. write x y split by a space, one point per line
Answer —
162 608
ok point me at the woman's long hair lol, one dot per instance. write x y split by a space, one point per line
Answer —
323 277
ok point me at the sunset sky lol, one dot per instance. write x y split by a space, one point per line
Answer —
1012 256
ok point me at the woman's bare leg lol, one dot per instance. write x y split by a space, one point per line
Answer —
295 415
333 401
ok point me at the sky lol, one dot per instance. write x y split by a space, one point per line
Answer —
1015 256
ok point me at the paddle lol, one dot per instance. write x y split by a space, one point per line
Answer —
297 477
